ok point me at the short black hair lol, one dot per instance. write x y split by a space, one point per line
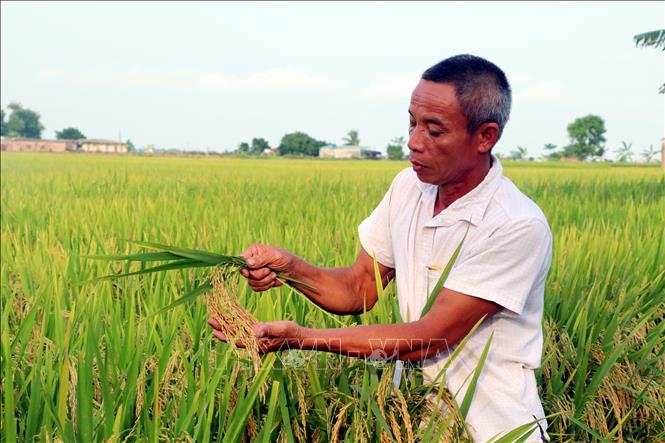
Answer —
481 87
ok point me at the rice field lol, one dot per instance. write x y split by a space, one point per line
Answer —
84 361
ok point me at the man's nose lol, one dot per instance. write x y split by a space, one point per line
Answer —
415 141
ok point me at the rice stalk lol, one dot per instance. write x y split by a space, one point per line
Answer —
394 426
339 421
302 405
251 431
236 323
148 366
73 382
405 415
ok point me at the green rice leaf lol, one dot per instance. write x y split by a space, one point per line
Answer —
516 434
190 296
208 257
143 257
586 428
380 419
466 401
9 420
244 405
264 436
180 264
453 356
286 419
293 280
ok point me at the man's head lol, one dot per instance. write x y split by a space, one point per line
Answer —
458 111
481 88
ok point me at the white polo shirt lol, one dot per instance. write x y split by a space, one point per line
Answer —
505 259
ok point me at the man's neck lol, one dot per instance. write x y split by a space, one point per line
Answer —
447 194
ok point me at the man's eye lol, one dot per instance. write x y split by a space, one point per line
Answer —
434 133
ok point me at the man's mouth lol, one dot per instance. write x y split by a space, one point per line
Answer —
417 166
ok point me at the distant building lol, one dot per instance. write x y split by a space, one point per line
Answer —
99 145
371 155
347 152
39 145
35 145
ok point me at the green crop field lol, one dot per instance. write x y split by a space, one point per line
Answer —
84 361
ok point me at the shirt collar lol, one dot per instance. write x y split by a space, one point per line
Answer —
471 206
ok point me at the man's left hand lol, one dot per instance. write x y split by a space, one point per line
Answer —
270 336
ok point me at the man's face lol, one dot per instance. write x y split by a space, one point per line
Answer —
442 151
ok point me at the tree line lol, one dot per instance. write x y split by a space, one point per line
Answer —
586 142
22 122
26 123
299 143
586 134
295 144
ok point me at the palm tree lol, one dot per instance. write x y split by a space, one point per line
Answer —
655 39
519 154
398 141
625 153
649 154
351 138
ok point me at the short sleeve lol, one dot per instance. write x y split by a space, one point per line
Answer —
374 231
506 268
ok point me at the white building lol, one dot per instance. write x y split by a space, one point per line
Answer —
99 145
35 145
346 152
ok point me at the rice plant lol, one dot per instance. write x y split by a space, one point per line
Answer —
91 362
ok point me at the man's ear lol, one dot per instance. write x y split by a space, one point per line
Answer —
488 135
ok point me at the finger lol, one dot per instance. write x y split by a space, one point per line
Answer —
215 324
223 338
256 261
244 273
257 289
271 345
262 288
262 258
259 274
249 252
220 336
268 280
259 329
264 345
239 344
265 283
268 330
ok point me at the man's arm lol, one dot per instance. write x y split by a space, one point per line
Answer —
347 290
451 318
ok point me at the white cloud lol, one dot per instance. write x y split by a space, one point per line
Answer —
272 80
525 90
393 88
543 93
285 79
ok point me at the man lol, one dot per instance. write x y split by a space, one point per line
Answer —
455 188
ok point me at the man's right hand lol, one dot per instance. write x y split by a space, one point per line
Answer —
263 264
342 290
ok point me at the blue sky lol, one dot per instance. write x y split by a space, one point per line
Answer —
211 75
